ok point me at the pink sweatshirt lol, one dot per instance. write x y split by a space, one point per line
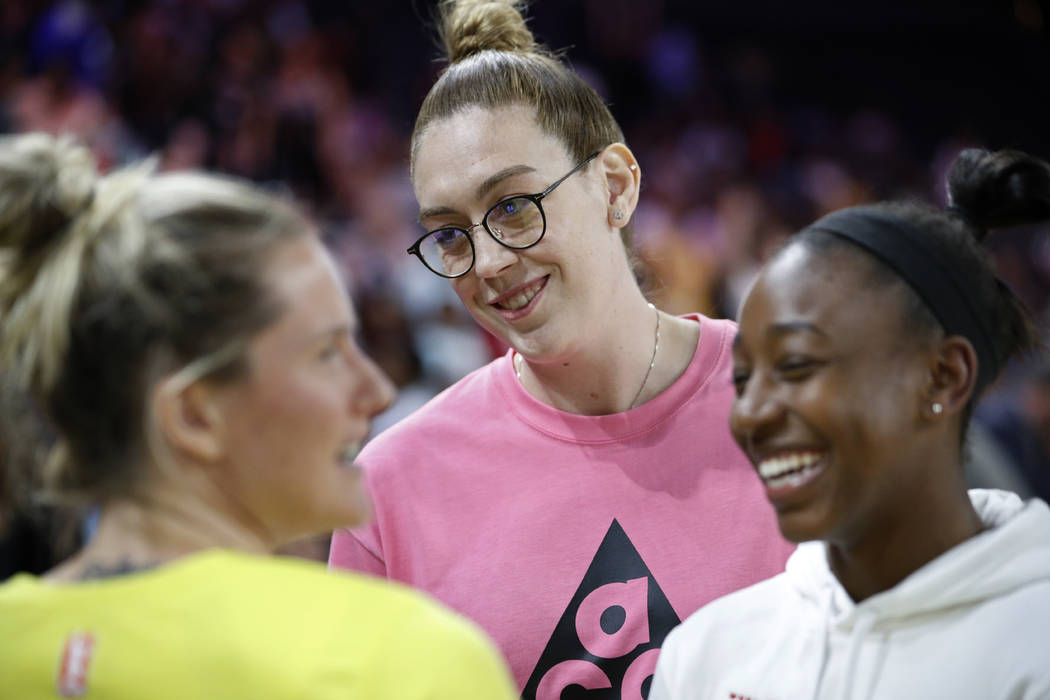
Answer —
576 542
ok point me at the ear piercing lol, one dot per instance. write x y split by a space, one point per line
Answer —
618 214
937 408
633 166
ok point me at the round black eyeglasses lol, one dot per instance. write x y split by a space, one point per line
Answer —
516 222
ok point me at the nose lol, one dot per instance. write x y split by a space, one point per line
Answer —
755 414
374 392
490 257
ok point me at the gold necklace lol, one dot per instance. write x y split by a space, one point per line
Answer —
645 379
652 360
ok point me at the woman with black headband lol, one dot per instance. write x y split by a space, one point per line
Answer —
862 349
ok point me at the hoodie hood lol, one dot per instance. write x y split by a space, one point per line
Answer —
969 625
1013 551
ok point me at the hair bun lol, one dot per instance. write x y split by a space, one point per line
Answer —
45 182
470 26
999 189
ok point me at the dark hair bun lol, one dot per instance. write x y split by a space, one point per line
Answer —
999 189
471 26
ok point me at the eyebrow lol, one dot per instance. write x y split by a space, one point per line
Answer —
334 331
483 189
786 327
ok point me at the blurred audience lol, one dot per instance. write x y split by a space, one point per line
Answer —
286 93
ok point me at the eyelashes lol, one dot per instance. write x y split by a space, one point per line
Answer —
790 369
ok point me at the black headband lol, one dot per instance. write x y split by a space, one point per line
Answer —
923 262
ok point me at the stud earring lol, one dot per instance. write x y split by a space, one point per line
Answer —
633 166
618 214
937 408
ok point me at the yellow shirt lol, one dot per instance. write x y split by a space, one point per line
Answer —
222 624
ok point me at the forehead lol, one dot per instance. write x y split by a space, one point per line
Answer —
456 154
304 278
829 289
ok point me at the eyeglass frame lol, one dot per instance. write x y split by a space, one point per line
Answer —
534 198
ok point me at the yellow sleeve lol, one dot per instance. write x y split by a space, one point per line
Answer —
441 656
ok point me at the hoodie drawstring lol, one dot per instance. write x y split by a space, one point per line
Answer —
865 621
825 633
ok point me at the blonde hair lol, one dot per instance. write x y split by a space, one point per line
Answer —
471 26
494 61
106 280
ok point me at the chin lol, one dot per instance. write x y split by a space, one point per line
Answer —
322 517
358 512
357 519
802 526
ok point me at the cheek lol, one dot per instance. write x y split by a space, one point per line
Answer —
316 400
289 415
836 408
735 428
873 415
465 288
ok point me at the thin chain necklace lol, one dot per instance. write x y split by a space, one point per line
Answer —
645 379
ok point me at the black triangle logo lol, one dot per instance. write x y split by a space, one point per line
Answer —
606 642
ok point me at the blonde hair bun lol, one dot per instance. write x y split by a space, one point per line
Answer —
470 26
45 183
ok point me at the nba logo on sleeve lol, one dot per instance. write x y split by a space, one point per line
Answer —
74 665
605 645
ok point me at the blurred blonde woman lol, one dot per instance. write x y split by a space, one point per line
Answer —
192 348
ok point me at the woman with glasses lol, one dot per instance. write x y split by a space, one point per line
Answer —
191 346
580 495
907 586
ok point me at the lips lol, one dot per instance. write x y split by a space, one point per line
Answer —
519 301
786 472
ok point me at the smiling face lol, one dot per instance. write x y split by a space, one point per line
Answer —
828 382
294 423
546 299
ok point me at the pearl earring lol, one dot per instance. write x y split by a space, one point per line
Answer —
937 408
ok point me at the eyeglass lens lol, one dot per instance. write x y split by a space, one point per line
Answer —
516 223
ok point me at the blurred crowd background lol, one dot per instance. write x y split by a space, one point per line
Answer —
749 119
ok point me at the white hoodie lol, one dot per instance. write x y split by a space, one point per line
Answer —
973 624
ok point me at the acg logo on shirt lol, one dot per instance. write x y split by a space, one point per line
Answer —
609 636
